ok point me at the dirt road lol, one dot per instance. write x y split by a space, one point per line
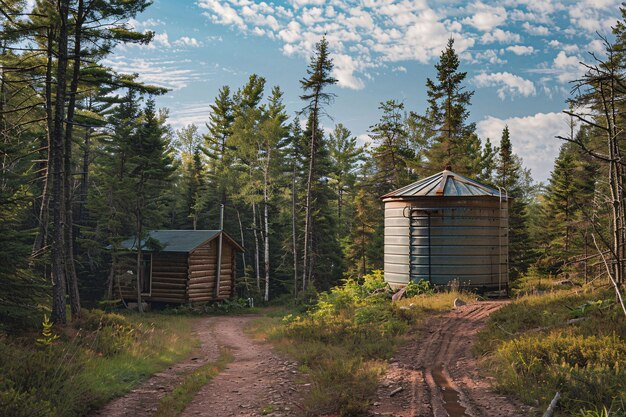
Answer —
436 375
257 382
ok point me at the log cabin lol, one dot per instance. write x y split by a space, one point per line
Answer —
180 266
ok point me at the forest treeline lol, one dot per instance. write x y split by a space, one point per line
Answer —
87 160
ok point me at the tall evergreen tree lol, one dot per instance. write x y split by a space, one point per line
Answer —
150 167
511 178
193 188
216 148
272 135
392 153
451 137
318 79
345 155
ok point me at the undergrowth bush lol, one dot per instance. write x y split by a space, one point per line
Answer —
228 306
418 288
101 356
586 370
344 338
572 341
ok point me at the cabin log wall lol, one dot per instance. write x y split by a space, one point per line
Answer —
202 272
179 278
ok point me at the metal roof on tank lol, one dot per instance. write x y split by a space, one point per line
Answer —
444 184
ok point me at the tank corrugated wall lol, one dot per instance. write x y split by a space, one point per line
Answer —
449 238
396 245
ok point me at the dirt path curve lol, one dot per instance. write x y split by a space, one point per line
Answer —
438 373
258 382
243 389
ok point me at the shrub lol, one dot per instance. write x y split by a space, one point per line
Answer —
344 337
111 333
24 404
586 370
418 288
46 379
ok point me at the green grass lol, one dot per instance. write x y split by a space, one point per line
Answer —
533 352
164 340
343 341
175 402
103 356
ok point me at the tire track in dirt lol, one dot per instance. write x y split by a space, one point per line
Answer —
439 374
257 382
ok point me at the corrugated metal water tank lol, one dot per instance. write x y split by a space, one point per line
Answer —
447 227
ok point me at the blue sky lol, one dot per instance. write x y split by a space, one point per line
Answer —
520 56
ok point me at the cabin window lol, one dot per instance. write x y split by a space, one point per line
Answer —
146 274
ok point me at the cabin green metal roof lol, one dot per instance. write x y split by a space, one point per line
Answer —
174 240
444 184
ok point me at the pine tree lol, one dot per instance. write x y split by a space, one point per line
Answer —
512 180
392 153
488 160
318 79
345 155
245 165
272 135
452 142
216 148
193 188
150 166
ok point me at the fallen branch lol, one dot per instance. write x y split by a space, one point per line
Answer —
552 405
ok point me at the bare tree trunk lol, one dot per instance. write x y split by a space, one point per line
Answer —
256 249
309 185
72 277
243 254
111 277
339 199
294 240
266 244
57 200
46 154
139 218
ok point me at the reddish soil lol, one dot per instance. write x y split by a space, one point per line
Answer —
257 382
435 374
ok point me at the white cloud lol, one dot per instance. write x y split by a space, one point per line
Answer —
485 17
521 49
590 15
344 69
596 46
141 25
490 56
507 83
160 39
567 68
362 36
501 36
369 34
194 113
536 30
569 48
187 41
533 138
221 12
158 72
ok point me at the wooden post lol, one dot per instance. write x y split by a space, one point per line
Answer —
219 253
